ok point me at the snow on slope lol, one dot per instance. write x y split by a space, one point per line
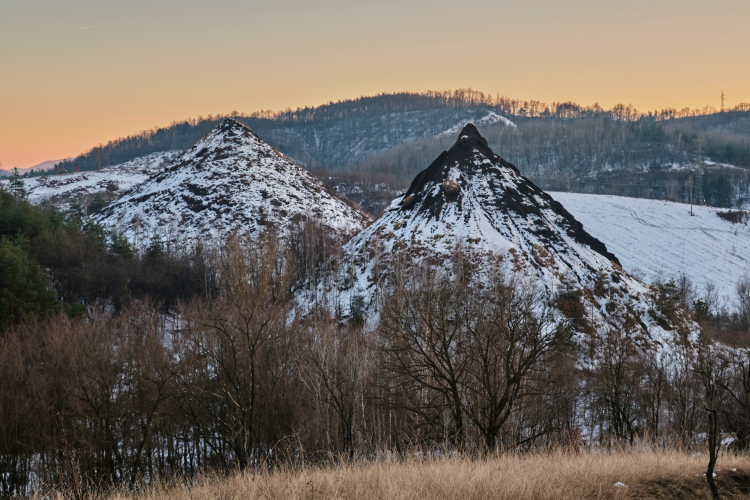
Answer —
351 138
115 180
487 119
230 180
473 198
653 238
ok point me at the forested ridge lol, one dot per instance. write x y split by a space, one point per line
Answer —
643 158
563 146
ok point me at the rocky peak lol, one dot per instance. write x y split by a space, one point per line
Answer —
470 134
470 181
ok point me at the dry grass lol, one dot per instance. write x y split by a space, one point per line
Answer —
533 476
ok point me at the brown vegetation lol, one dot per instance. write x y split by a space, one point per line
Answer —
734 216
465 365
450 186
554 475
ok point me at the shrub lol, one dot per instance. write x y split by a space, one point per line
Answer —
734 216
97 204
450 186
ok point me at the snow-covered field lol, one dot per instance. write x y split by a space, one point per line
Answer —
61 189
652 237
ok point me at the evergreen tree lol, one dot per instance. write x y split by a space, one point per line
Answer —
24 289
17 188
97 204
155 249
119 245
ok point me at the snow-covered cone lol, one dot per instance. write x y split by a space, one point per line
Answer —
471 200
229 181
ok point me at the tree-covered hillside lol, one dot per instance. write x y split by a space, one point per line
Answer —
563 146
644 158
334 135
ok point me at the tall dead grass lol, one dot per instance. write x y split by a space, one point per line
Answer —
558 475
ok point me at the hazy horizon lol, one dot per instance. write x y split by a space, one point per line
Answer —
84 73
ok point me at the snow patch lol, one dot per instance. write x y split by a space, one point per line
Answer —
117 179
660 238
488 119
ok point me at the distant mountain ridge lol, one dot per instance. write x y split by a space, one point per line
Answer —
315 139
406 116
45 165
561 146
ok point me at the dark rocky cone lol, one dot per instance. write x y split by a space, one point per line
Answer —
472 157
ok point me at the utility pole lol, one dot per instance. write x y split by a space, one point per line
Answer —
690 188
699 198
722 100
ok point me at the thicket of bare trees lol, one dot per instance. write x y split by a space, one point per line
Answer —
463 362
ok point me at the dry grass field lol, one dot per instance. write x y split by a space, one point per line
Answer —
557 475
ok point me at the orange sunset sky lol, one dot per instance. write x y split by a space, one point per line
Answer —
77 73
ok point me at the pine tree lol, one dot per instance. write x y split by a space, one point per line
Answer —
120 245
17 188
24 288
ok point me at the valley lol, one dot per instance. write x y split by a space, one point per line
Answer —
470 299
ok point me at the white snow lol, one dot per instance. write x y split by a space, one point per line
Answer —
704 164
660 238
117 179
727 441
229 181
488 119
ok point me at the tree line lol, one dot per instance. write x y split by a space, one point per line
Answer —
50 263
228 376
337 135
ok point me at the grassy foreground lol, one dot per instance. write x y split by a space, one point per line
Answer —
555 475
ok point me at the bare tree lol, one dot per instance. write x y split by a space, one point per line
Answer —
335 365
424 339
617 381
737 387
511 330
711 371
237 351
743 300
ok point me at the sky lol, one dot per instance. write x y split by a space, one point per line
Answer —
74 74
